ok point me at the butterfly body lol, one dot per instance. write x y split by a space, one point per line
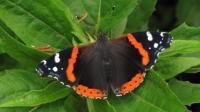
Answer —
117 64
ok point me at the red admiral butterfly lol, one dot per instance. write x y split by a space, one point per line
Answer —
117 64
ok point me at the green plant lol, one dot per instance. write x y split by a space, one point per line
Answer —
28 24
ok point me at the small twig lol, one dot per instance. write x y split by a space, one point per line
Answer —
83 17
45 49
34 108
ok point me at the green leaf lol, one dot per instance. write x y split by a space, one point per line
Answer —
179 58
187 92
103 12
188 11
185 32
52 92
26 23
9 31
56 106
14 109
100 106
76 7
7 62
195 69
182 53
21 82
27 89
75 103
172 66
118 30
39 24
1 47
19 52
153 95
182 48
138 19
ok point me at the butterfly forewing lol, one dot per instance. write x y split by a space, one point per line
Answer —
55 66
152 43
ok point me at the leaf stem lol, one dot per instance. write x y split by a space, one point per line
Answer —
98 18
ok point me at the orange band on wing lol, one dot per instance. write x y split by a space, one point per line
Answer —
89 92
134 83
139 46
69 71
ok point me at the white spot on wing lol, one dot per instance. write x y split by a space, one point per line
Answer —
162 34
162 49
57 58
55 78
155 60
149 36
40 74
50 76
155 45
36 70
62 83
68 85
157 54
55 69
151 67
44 62
149 48
118 94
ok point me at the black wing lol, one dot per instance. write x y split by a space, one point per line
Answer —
78 67
55 66
153 43
132 56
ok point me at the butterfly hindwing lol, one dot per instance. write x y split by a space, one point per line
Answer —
92 82
127 74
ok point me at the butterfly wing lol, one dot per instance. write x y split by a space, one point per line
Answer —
150 44
133 55
92 81
125 67
78 67
56 65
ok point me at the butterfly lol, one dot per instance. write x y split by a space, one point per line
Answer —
118 65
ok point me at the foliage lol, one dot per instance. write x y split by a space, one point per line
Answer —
28 24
